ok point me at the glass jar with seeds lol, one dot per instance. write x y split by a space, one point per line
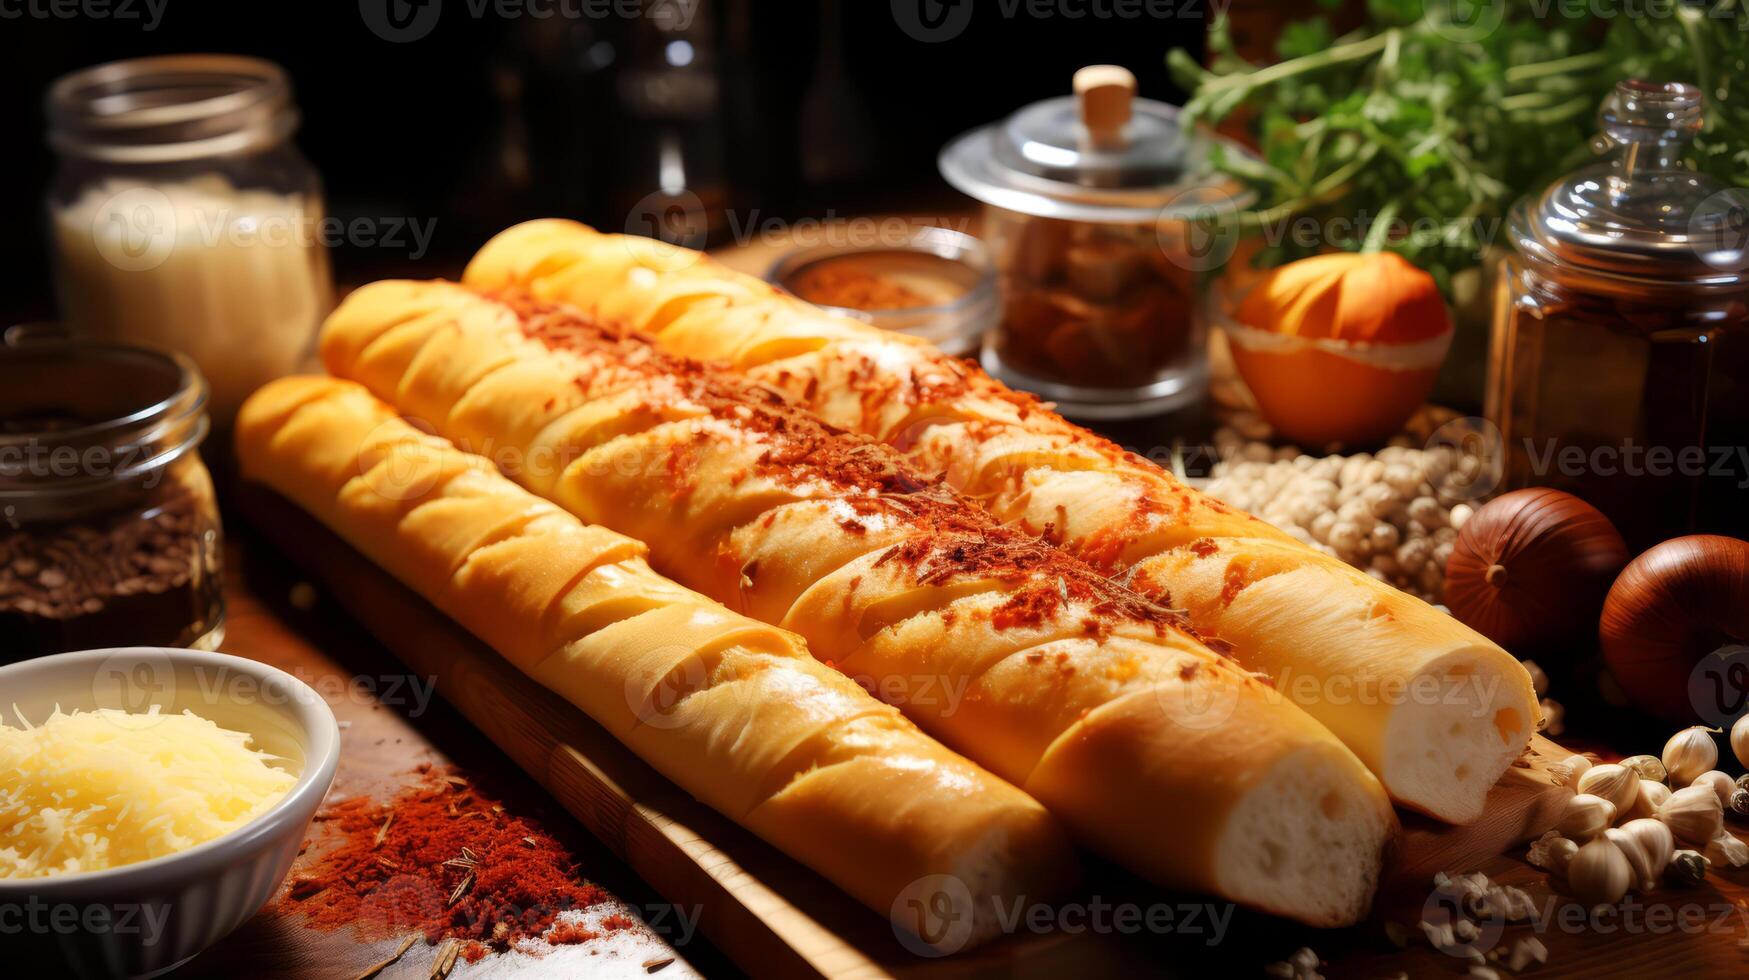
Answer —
109 529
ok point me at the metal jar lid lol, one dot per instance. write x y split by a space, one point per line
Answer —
85 418
171 108
1100 155
1642 214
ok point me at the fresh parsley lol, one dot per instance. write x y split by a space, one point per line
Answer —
1417 132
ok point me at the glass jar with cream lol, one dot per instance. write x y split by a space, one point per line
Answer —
184 218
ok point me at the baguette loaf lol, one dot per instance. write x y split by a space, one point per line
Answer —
1436 710
1153 749
734 711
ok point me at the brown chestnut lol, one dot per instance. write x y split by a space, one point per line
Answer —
1672 606
1530 569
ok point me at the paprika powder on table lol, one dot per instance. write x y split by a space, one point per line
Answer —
443 860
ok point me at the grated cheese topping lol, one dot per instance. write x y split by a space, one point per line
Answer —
100 789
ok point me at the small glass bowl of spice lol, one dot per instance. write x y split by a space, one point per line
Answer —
109 528
935 283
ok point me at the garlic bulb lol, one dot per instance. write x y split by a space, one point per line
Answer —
1693 814
1646 766
1656 841
1586 816
1600 874
1652 796
1740 740
1689 753
1617 784
1720 783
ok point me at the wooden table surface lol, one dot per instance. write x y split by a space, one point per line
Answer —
391 723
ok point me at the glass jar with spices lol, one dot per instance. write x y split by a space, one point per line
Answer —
184 218
1619 362
1105 230
111 529
934 283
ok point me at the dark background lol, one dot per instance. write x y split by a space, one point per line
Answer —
787 109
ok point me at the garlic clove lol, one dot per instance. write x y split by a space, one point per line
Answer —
1693 814
1573 766
1527 951
1561 854
1740 740
1539 678
1552 852
1727 846
1658 843
1652 796
1599 873
1689 753
1721 784
1631 848
1617 784
1646 767
1586 816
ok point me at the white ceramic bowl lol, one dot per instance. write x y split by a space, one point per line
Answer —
148 918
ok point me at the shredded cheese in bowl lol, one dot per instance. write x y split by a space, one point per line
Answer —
90 790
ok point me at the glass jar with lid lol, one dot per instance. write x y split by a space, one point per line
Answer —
183 218
1105 230
111 535
1619 361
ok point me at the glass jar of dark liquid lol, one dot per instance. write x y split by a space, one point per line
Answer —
1619 368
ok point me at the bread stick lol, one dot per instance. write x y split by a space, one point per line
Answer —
1152 748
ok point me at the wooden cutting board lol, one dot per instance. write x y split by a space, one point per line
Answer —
767 913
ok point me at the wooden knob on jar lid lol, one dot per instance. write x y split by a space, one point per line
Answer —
1105 92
